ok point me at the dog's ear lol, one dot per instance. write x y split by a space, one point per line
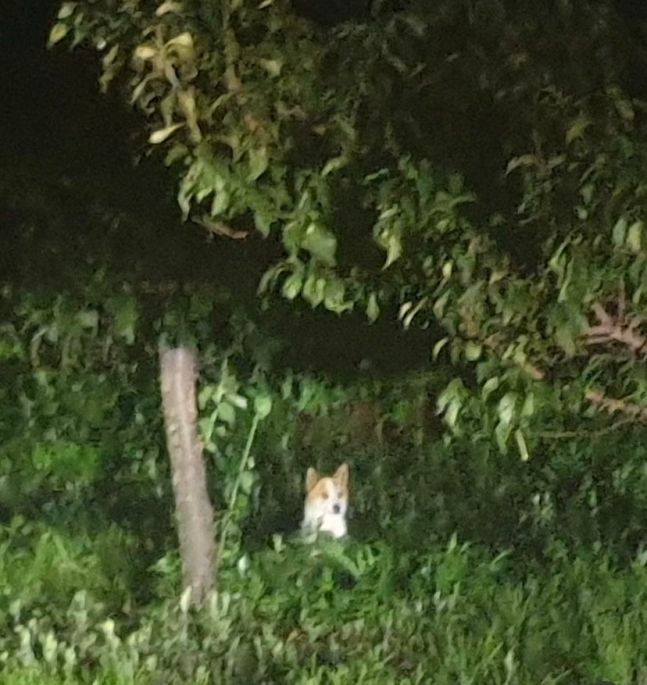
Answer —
312 478
341 475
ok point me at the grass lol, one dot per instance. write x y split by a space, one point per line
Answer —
339 613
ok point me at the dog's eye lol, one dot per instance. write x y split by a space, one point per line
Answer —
324 495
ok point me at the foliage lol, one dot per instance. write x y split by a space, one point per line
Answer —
373 153
375 134
80 430
462 563
360 612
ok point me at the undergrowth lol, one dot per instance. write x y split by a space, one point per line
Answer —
329 613
464 565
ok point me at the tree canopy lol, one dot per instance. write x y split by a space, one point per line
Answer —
476 168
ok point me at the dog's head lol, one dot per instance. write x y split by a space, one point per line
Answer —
327 501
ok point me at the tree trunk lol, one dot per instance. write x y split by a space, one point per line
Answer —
193 510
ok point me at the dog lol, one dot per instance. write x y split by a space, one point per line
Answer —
326 502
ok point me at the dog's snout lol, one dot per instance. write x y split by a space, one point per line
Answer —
335 508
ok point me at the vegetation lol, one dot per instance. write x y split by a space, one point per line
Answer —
473 171
498 174
462 563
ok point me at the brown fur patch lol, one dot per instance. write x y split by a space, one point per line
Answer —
317 485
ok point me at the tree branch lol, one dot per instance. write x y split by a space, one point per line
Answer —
618 328
561 435
635 412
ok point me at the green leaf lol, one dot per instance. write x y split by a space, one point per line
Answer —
624 108
389 239
161 134
221 201
58 32
577 128
258 162
262 222
450 402
205 394
438 347
372 308
502 433
292 286
89 318
521 445
67 10
452 412
619 232
587 192
448 267
440 304
334 165
182 45
528 408
262 406
314 289
506 408
565 339
472 351
489 387
334 297
226 412
272 66
236 400
320 243
634 236
124 310
521 161
287 387
408 316
246 482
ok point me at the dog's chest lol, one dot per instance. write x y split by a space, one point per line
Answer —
334 524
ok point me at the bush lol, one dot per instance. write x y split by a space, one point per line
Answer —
338 613
546 584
